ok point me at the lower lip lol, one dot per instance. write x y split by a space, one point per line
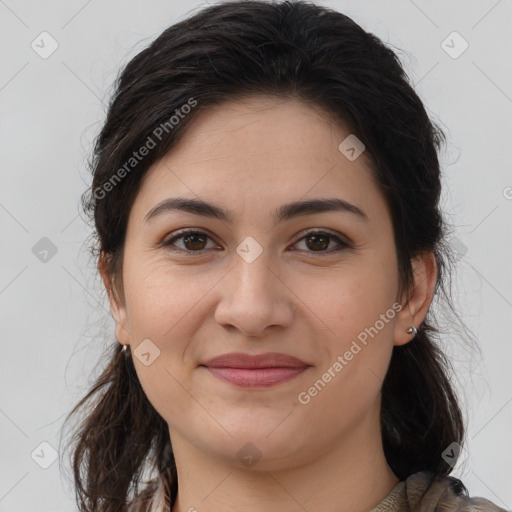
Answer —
256 377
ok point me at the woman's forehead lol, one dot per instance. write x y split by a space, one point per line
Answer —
254 173
291 145
253 125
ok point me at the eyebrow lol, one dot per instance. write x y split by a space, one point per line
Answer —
283 213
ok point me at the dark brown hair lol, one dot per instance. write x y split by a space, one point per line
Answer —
290 49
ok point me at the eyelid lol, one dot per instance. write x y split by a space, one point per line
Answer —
317 231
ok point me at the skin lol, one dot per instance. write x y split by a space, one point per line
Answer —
253 156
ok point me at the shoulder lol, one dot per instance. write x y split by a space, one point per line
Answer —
426 492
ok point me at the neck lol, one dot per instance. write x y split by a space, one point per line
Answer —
351 476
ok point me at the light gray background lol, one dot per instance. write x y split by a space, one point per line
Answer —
52 313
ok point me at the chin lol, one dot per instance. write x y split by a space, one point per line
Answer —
261 449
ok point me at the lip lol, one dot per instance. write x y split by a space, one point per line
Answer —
252 371
266 360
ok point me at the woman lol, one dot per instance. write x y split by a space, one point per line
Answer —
266 201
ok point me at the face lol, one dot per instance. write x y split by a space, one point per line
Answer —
317 284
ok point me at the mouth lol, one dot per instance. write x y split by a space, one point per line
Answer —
256 378
255 371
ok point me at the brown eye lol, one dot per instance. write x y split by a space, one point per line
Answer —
191 241
194 241
319 241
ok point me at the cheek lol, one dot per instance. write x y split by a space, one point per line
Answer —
164 306
357 345
350 300
162 299
357 308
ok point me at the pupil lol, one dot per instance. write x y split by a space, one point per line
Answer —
315 239
194 239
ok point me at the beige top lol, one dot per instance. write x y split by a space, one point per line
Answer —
395 501
422 492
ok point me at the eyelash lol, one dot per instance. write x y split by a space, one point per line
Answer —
169 243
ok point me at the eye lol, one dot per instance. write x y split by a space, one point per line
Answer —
196 241
193 241
318 241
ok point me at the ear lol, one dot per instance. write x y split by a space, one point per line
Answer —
117 308
414 310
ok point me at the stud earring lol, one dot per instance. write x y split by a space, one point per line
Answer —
412 330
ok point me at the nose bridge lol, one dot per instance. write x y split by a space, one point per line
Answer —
251 276
253 297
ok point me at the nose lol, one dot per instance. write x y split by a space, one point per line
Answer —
254 298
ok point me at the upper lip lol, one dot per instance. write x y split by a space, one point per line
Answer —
267 360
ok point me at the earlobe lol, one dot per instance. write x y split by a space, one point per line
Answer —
118 310
416 307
